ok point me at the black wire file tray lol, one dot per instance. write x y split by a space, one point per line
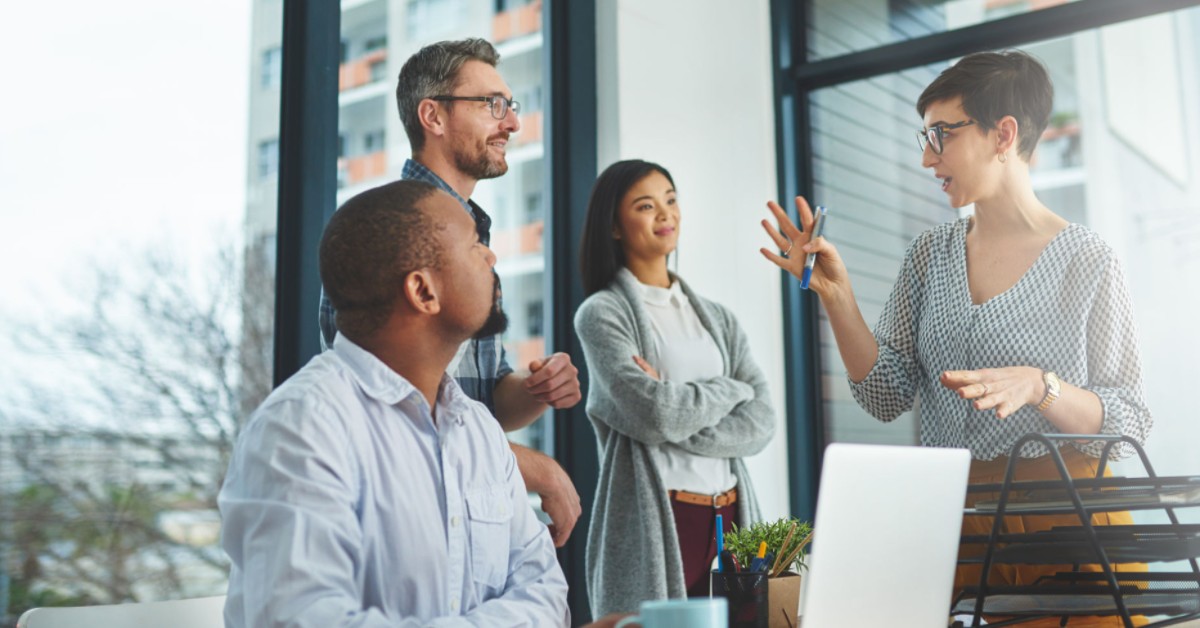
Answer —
1074 593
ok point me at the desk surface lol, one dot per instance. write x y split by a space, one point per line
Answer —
1195 623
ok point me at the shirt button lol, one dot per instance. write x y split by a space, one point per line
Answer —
454 521
454 605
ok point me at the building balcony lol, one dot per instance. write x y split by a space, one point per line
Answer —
531 129
528 350
361 71
517 22
523 240
352 170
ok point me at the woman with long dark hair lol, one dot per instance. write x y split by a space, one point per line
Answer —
674 398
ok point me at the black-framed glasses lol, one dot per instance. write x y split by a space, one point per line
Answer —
934 135
498 104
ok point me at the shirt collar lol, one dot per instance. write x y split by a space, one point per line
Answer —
380 382
654 295
417 171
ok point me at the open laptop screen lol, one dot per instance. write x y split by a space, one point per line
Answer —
886 536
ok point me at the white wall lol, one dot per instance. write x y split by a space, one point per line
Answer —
687 84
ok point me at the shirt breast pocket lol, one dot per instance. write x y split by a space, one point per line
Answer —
490 514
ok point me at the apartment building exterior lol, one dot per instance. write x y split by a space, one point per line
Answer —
377 36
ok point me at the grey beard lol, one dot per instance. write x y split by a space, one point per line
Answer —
480 167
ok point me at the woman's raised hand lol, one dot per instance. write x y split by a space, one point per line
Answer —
794 246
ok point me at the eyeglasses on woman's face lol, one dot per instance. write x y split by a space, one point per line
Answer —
934 135
497 103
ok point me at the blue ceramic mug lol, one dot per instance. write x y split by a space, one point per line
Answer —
694 613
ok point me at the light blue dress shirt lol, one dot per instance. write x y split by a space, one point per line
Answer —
346 504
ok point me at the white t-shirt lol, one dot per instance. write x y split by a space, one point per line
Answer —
687 353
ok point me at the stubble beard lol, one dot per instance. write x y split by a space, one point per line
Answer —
479 164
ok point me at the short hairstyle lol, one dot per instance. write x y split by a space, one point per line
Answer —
994 85
433 71
369 246
601 255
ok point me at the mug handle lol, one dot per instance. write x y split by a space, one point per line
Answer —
632 619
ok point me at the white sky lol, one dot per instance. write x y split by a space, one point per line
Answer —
121 122
122 125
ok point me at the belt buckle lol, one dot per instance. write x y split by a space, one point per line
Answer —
715 498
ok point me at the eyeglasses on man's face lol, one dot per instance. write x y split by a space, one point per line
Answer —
498 104
934 135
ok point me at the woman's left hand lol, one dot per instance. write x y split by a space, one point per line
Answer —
645 366
1005 389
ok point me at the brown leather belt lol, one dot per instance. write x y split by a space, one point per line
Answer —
700 499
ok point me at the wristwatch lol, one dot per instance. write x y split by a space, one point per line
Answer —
1053 388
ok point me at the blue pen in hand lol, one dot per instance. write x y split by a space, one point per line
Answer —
811 260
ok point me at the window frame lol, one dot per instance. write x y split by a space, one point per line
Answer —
795 80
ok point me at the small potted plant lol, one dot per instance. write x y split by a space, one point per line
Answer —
786 540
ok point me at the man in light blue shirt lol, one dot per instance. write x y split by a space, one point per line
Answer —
368 490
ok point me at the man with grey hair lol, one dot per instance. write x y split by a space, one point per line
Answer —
458 114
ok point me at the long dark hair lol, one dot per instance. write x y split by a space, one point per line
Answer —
600 255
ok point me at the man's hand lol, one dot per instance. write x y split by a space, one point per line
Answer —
554 381
561 503
559 500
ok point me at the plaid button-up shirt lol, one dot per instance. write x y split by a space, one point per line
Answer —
484 363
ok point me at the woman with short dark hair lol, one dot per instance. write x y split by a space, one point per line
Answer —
674 398
1004 323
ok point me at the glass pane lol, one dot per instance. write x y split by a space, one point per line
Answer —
374 146
838 27
130 354
1117 158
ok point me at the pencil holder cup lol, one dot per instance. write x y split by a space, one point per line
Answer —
747 594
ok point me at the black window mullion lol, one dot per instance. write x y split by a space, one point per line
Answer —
804 420
1002 33
571 119
308 147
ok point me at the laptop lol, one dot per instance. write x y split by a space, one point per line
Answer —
886 536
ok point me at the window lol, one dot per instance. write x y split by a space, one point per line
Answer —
839 27
373 141
379 71
144 325
268 158
514 201
375 43
1096 164
272 67
430 20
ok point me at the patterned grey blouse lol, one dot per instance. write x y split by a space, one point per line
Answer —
1070 313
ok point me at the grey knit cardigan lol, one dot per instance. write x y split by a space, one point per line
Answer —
632 547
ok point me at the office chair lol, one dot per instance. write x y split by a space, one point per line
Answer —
203 612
